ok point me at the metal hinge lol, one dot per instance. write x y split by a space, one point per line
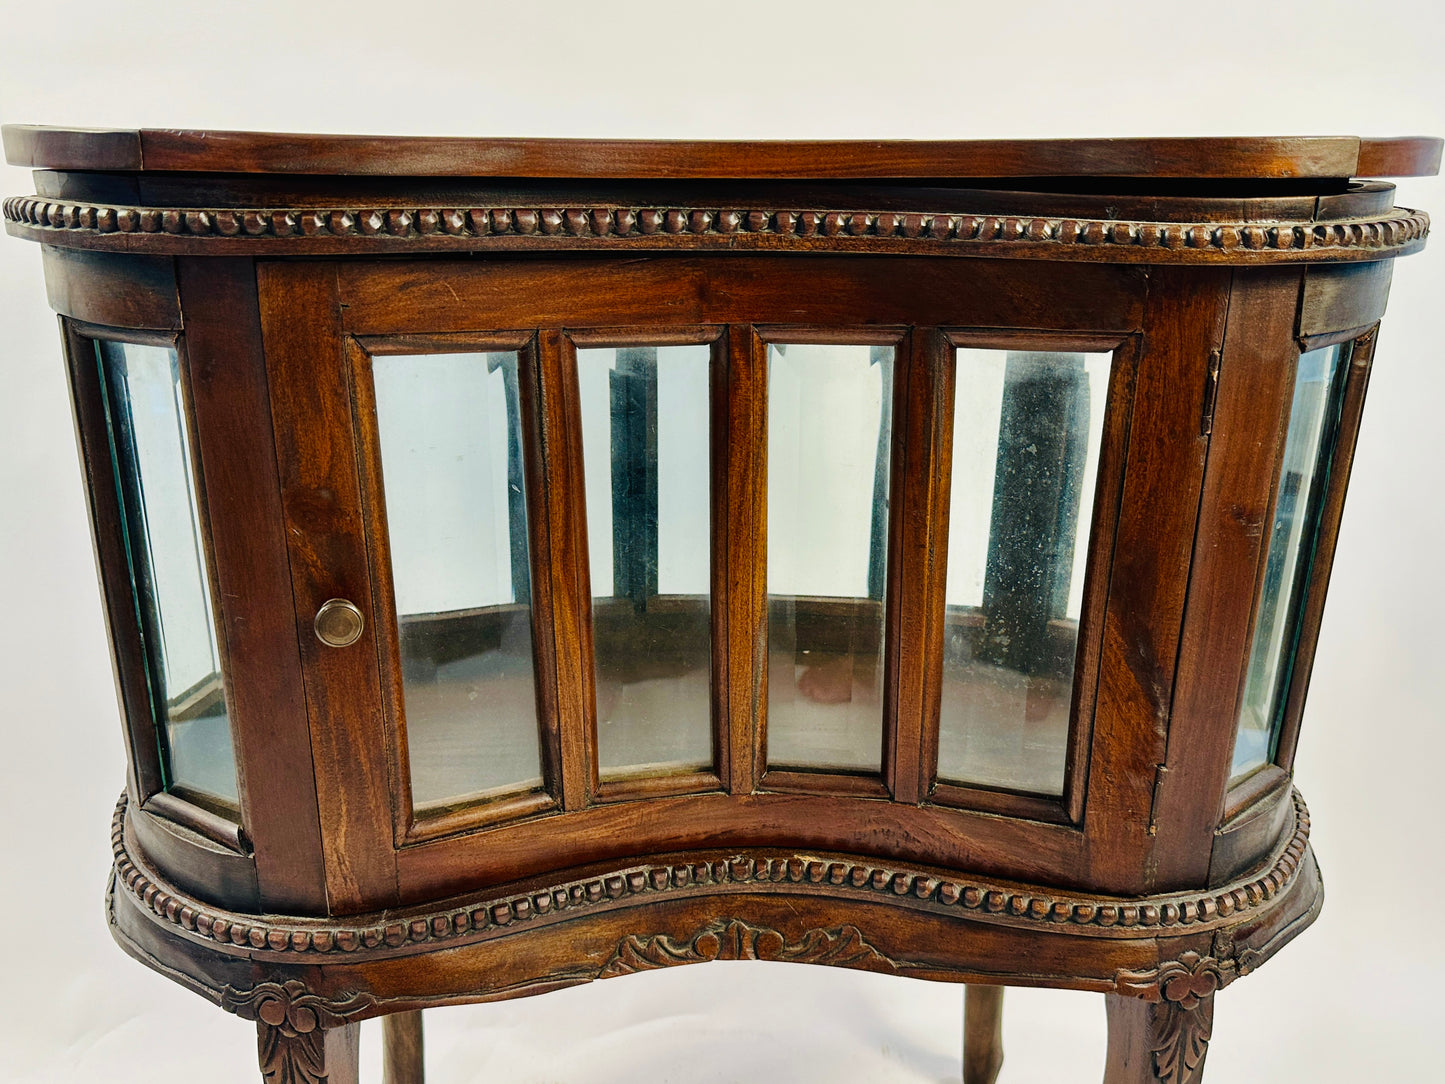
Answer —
1159 773
1211 394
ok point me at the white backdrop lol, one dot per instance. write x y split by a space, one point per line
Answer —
1354 999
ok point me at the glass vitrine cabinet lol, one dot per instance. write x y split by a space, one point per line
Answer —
530 562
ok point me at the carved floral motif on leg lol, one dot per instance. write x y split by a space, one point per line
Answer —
292 1059
1179 1019
1185 981
1179 1039
292 1030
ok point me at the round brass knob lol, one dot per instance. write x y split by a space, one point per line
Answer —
339 623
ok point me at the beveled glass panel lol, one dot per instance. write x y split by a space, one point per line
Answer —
1299 495
829 432
154 479
645 455
456 516
1027 432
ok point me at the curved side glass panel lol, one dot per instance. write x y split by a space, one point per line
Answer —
150 451
1314 420
450 433
645 460
1027 432
830 411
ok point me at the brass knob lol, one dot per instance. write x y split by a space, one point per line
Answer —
339 623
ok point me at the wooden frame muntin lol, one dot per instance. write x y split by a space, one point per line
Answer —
236 445
322 507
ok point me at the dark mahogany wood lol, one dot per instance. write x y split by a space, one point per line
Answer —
263 152
1160 1042
1338 299
1251 410
320 1055
924 392
1159 510
566 567
113 291
982 1034
72 148
403 1045
321 506
236 450
280 266
742 562
1402 157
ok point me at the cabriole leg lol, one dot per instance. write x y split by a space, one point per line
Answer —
401 1048
982 1034
1157 1042
317 1056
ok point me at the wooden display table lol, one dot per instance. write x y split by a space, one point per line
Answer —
530 562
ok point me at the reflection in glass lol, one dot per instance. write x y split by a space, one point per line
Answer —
1309 444
1026 437
645 453
450 432
829 429
152 459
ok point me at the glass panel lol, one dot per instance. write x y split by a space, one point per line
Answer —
829 429
1309 445
645 453
451 455
154 480
1027 431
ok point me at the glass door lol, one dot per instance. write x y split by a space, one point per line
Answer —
702 553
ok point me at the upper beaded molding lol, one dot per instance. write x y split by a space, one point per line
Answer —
316 230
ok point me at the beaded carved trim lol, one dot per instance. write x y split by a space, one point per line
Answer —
1100 917
1176 913
329 229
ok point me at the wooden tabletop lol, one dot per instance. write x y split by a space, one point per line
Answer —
1264 158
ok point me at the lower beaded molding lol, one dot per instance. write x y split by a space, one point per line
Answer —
1183 982
493 914
749 907
306 1006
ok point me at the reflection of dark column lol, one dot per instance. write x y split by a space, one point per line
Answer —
1042 443
633 384
878 545
516 481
